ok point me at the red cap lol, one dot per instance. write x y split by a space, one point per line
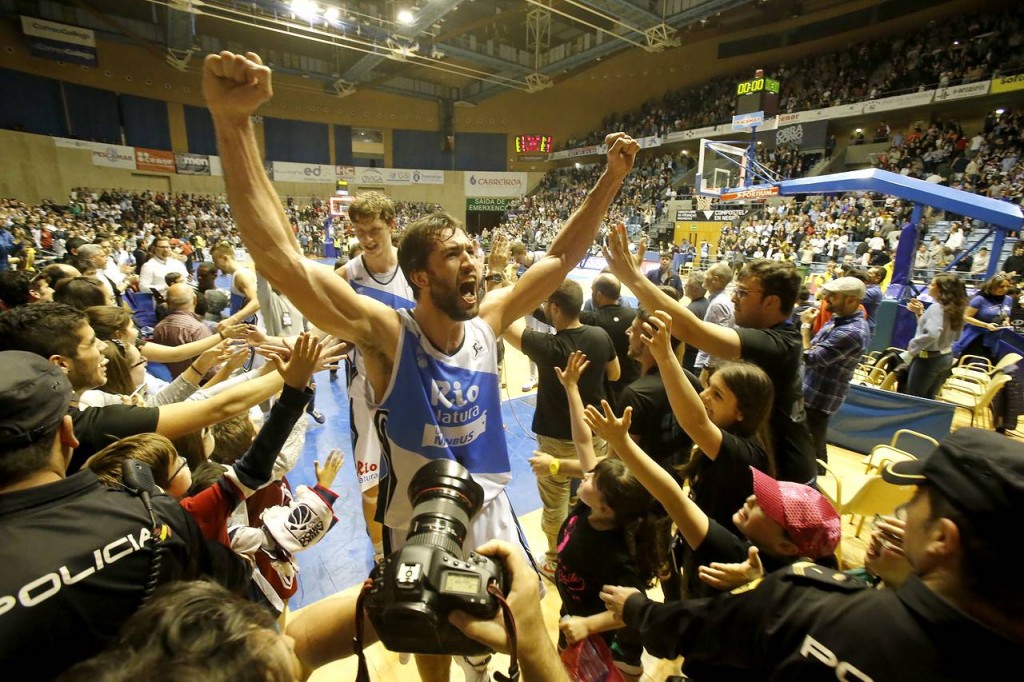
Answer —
807 516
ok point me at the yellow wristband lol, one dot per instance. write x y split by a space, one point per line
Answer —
555 465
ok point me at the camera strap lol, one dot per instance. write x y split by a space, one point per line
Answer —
513 638
362 674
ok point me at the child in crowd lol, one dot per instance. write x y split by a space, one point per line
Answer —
614 533
782 520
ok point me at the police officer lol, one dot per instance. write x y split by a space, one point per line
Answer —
78 558
959 615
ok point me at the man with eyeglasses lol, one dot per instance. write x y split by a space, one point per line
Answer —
954 613
152 277
78 557
763 302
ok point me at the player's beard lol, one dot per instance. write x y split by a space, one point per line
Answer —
447 299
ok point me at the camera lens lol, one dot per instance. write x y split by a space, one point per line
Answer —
444 497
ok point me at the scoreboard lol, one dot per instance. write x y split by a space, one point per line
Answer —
758 94
533 144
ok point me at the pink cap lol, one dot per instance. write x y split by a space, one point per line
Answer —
807 516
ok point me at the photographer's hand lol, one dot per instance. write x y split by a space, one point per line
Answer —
537 655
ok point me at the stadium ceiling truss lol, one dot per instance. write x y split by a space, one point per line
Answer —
459 50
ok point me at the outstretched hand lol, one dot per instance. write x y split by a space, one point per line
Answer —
658 335
616 253
574 368
303 360
606 424
325 475
235 85
614 598
730 576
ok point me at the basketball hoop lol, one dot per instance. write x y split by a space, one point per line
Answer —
703 202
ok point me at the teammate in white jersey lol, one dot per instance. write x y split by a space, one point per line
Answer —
436 256
374 273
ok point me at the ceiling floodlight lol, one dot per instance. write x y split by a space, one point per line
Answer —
405 16
306 9
332 14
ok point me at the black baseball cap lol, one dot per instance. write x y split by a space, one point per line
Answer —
34 397
980 472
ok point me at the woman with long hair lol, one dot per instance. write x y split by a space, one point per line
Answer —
930 352
987 312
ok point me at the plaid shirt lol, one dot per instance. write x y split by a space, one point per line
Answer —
831 359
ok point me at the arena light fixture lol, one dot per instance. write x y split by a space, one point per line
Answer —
405 16
332 14
306 9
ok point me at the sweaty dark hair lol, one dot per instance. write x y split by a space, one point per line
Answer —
777 278
45 329
419 240
14 287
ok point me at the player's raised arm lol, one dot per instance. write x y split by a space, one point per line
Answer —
234 87
571 243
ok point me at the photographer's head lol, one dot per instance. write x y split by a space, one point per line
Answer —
195 630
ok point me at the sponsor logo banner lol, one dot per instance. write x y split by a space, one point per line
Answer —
345 172
285 171
832 112
1008 83
753 193
648 142
488 204
60 42
810 135
719 215
911 99
427 177
493 184
192 164
114 156
694 134
154 160
589 150
369 176
747 121
786 119
962 91
215 168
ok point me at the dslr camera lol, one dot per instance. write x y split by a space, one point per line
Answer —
415 588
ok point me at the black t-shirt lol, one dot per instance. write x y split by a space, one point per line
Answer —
98 427
616 319
551 417
723 547
721 486
778 351
659 434
589 559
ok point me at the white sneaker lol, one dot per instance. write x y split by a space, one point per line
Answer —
475 668
529 385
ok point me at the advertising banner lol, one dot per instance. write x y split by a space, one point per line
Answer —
427 177
573 153
494 184
192 164
721 215
345 172
1007 84
114 156
962 91
648 142
154 160
215 168
810 135
495 204
286 171
60 42
911 99
747 121
369 176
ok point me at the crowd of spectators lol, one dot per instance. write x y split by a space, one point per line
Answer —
964 49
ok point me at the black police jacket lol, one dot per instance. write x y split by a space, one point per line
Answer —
75 559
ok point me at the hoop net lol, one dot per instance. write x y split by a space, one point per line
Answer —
704 202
